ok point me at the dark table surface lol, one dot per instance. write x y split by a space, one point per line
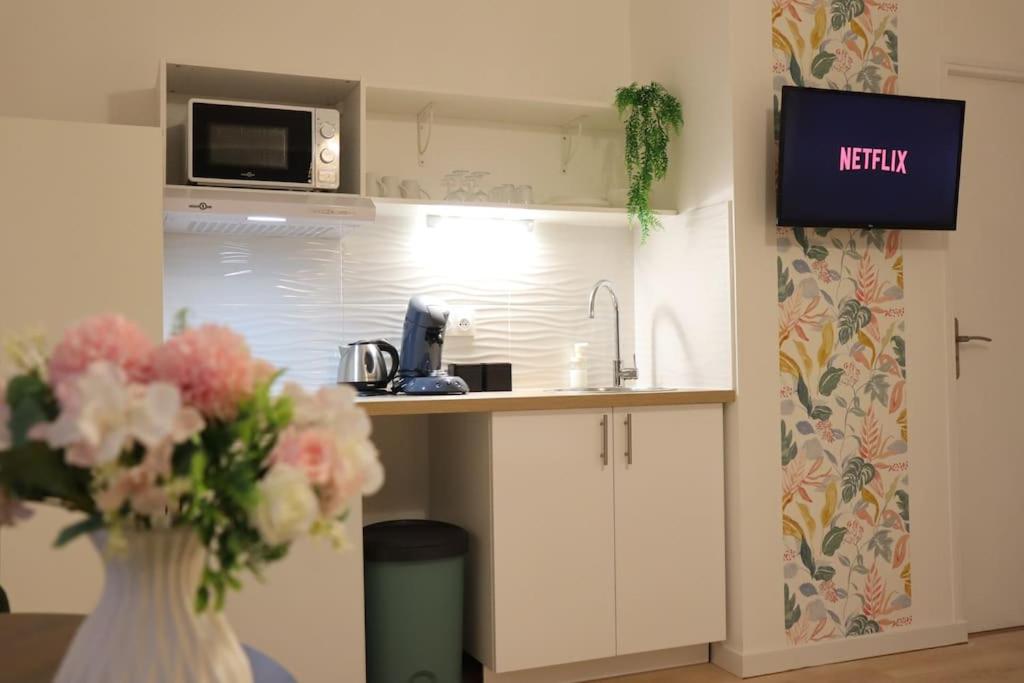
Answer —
32 645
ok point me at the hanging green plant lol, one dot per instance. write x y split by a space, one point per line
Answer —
652 113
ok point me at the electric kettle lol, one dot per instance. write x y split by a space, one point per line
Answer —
362 365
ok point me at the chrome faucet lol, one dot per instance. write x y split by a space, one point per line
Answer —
619 373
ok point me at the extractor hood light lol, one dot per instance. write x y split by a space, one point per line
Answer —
266 219
436 221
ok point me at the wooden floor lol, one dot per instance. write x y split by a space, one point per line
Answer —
996 656
990 657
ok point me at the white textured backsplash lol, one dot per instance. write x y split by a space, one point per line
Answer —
296 300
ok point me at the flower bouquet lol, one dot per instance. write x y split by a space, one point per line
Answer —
188 472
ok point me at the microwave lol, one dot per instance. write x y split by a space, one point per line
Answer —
247 144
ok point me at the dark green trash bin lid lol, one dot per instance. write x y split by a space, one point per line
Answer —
412 540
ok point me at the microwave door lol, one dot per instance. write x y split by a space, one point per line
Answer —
246 145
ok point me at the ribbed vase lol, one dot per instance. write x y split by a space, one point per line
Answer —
145 628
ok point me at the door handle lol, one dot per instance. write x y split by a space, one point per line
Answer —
963 338
604 441
629 439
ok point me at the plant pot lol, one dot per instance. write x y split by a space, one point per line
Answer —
145 627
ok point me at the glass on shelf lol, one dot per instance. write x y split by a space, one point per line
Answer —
523 194
474 192
455 183
502 194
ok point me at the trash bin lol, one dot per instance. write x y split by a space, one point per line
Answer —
414 585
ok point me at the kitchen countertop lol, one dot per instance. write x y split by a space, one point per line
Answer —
537 399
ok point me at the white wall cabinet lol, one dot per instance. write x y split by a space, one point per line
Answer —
595 533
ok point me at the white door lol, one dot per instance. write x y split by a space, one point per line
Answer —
669 527
81 232
554 553
986 252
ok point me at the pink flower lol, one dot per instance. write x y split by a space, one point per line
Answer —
347 479
109 338
338 469
212 367
313 451
828 589
12 510
138 486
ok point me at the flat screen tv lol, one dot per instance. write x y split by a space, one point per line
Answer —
864 160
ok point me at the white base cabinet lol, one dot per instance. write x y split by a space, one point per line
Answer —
594 533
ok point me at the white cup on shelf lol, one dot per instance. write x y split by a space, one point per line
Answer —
372 185
390 186
411 189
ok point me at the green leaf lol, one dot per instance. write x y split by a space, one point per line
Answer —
789 449
878 389
881 544
786 287
822 64
800 234
180 322
903 504
792 610
817 252
32 471
852 317
821 413
829 381
794 71
807 555
824 573
869 77
856 475
843 11
804 395
900 349
31 401
891 47
833 540
860 625
85 526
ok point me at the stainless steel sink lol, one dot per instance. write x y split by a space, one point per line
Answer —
614 390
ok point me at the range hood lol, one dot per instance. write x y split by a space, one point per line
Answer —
277 213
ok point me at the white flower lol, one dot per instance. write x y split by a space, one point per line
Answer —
102 415
331 407
287 507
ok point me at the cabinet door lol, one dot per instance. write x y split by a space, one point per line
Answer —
669 527
554 552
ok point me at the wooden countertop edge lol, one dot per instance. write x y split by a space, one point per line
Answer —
493 402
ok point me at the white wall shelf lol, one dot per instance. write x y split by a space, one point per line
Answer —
596 116
595 216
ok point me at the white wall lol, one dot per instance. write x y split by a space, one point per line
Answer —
683 289
97 61
57 267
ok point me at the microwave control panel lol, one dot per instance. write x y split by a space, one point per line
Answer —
327 160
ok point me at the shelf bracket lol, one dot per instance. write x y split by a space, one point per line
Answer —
570 134
424 122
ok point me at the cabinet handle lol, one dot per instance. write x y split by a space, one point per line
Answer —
629 439
604 441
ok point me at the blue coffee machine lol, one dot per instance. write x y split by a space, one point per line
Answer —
420 370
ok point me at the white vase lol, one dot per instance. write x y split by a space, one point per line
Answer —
145 627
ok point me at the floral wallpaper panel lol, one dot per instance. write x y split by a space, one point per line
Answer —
845 495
